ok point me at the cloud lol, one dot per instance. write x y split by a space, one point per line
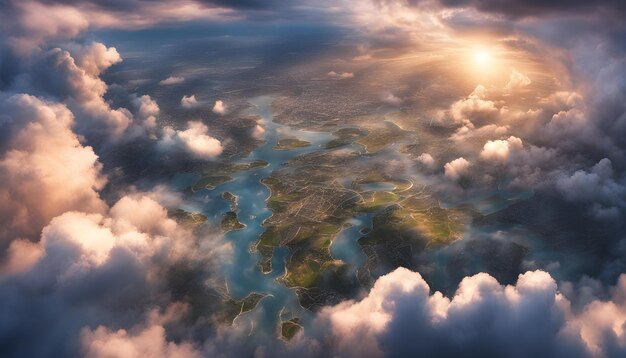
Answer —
71 74
601 323
219 107
189 102
499 150
95 58
524 8
456 168
596 185
467 132
28 24
427 160
22 255
340 75
147 342
172 80
44 169
86 241
58 74
108 265
517 80
401 317
392 99
147 111
107 268
194 140
258 131
473 108
145 339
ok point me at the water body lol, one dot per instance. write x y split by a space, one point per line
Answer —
379 186
242 275
490 201
345 246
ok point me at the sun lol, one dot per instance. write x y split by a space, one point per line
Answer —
482 57
482 63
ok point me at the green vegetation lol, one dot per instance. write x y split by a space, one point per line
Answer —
307 266
305 218
238 167
438 225
210 182
290 143
232 199
376 200
345 136
220 173
233 308
230 222
381 137
402 185
315 195
187 219
411 225
310 207
421 218
289 329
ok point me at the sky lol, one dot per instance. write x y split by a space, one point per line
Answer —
102 100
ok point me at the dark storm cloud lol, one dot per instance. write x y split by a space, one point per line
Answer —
127 5
249 4
123 6
521 8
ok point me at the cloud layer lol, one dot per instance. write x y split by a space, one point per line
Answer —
102 271
400 317
45 171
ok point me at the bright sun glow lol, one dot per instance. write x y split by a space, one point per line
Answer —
481 57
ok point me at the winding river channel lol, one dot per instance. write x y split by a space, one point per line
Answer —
243 276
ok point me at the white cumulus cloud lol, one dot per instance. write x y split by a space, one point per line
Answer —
194 140
340 75
219 107
426 159
517 80
456 168
172 80
258 131
45 170
189 101
499 150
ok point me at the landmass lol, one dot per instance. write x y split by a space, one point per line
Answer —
291 143
383 135
233 308
232 199
289 329
345 136
188 219
220 173
315 194
230 222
